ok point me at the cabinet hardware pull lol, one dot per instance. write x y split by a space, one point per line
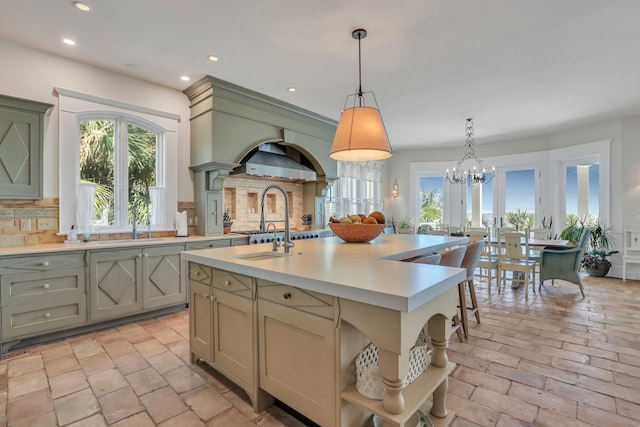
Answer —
45 263
146 255
287 295
47 315
46 286
227 283
139 255
206 295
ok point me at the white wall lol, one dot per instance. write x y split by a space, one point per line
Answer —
31 74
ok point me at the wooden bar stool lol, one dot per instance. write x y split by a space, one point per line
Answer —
470 262
453 258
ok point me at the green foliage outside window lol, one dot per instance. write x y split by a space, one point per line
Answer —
431 206
98 160
520 219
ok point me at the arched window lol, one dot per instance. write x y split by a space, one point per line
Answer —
117 165
123 157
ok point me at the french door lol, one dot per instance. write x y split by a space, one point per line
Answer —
517 199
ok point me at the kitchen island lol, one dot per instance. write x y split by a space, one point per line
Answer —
289 326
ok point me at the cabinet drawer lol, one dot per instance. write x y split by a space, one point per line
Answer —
41 263
232 282
307 301
240 241
32 287
44 316
219 243
200 273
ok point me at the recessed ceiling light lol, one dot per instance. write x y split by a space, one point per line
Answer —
81 6
185 78
291 89
212 58
69 42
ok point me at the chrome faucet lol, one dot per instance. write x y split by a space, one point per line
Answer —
275 236
134 225
288 244
134 228
149 234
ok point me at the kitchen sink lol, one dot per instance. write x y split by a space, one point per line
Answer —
259 256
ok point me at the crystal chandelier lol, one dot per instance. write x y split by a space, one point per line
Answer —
476 173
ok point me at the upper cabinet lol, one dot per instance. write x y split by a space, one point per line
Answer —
21 147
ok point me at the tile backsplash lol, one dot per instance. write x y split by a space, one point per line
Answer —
29 222
32 222
242 197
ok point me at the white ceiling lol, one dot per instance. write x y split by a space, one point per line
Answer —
519 67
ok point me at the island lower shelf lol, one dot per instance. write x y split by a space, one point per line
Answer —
415 395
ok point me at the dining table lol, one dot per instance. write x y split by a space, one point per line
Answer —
538 244
549 243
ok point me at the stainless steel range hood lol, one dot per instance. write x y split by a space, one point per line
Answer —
271 161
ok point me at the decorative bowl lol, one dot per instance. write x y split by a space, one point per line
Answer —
356 233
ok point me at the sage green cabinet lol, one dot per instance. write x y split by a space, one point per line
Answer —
162 283
129 281
115 280
297 349
41 294
218 243
21 147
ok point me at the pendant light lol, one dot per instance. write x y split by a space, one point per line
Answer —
361 135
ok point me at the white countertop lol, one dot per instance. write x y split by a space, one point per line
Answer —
365 272
105 244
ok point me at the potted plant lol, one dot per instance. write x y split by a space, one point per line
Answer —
405 226
306 221
595 261
226 221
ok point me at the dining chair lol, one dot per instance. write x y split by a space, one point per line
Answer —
470 262
513 255
488 260
564 263
538 233
429 259
453 258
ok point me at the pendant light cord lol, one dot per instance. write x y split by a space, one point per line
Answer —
359 69
359 34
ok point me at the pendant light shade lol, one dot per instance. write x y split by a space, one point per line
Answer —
361 135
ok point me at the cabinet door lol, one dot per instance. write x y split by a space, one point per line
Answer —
297 360
214 213
115 279
200 322
161 272
21 145
233 347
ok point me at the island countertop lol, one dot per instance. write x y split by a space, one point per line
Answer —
363 272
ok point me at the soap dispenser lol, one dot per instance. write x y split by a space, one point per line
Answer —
72 235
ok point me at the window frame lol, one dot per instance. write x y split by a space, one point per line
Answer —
361 194
121 158
550 184
74 106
